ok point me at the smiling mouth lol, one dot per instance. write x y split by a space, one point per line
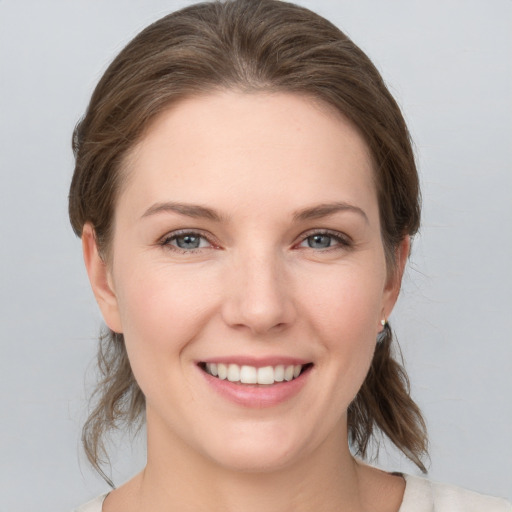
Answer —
245 374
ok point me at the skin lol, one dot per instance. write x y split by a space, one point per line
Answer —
254 287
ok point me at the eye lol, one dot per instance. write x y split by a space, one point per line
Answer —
325 240
185 241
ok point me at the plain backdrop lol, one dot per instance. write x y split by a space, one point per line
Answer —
449 65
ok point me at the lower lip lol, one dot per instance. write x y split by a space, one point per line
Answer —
257 396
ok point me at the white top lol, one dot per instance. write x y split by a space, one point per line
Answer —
421 495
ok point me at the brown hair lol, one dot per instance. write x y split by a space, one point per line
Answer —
248 45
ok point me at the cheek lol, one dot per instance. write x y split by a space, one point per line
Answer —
344 312
162 310
346 302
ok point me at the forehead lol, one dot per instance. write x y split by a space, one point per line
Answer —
237 148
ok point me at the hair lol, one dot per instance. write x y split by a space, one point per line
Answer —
248 46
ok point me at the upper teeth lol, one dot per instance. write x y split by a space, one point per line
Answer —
252 375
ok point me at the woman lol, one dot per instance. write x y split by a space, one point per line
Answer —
246 193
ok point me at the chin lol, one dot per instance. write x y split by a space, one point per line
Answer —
255 461
259 452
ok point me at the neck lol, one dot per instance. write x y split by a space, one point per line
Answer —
178 478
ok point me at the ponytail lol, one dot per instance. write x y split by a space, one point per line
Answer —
384 402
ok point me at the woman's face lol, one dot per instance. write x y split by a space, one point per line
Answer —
247 241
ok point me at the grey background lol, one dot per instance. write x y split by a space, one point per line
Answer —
448 64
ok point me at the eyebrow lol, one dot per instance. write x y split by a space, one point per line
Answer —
197 211
190 210
325 210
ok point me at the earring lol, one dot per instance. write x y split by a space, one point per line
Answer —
382 334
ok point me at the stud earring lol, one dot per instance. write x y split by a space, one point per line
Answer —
382 334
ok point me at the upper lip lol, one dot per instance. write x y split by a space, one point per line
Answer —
258 362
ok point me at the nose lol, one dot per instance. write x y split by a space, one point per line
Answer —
259 296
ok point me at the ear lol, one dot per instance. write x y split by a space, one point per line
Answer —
394 280
100 277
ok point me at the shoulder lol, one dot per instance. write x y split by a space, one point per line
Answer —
422 495
92 506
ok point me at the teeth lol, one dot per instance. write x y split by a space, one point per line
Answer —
233 373
252 375
222 370
279 373
266 375
288 373
212 368
248 375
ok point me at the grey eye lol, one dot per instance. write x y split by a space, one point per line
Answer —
188 241
319 241
185 241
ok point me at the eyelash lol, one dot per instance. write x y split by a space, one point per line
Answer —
342 241
167 239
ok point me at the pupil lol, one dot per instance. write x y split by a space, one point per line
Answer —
188 242
319 241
